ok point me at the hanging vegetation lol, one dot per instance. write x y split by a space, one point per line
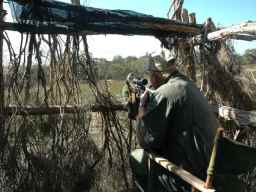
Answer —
46 120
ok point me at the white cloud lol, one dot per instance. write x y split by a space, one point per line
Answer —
108 46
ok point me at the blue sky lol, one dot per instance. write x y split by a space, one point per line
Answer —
223 13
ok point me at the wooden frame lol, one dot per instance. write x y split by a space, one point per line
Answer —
196 183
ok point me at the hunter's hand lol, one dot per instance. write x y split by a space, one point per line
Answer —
143 103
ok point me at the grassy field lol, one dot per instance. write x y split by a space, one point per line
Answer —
113 86
250 69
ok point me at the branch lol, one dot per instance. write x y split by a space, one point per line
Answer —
92 20
245 31
240 117
121 28
57 109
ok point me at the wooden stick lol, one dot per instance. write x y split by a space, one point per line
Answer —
2 100
75 2
211 167
184 16
209 181
57 109
42 29
240 117
244 31
192 18
122 28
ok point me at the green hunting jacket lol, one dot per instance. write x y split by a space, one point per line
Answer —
179 125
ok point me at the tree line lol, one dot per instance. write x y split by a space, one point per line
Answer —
119 67
248 58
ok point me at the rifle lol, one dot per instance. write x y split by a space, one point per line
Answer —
136 87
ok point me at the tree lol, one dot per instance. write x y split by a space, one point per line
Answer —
249 56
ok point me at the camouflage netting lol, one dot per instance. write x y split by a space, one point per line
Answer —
57 152
213 65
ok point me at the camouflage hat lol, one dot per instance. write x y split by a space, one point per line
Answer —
162 67
153 65
130 77
171 60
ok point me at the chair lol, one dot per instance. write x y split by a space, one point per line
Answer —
228 158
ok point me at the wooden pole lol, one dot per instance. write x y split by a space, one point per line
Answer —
211 167
121 28
75 2
192 18
245 31
2 101
240 117
184 16
57 109
75 44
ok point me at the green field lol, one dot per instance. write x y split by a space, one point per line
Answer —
113 86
